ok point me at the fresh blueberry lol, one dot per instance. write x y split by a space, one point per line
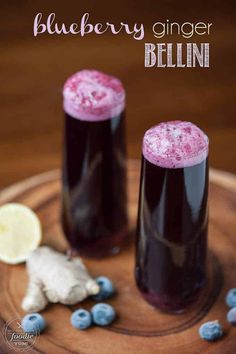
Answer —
106 288
81 319
210 331
33 323
103 314
231 316
231 298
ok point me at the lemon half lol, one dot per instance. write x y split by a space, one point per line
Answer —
20 232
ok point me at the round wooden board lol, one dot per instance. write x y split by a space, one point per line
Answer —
139 327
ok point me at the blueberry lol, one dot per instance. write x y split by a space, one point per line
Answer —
81 319
210 331
231 298
33 323
231 316
106 288
103 314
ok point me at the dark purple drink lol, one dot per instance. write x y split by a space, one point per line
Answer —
94 215
173 216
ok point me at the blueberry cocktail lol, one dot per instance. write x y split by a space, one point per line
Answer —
94 216
173 216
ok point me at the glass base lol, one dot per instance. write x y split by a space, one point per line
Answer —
96 254
103 247
169 304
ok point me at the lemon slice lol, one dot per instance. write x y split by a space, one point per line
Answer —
20 232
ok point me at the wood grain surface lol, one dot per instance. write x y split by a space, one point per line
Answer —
139 328
34 70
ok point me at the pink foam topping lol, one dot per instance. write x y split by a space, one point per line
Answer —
93 96
175 144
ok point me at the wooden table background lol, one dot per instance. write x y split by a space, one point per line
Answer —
34 69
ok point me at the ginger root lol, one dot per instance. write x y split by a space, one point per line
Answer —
54 277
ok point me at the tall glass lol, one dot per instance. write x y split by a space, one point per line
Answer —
94 215
173 216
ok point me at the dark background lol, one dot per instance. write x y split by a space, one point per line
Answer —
33 71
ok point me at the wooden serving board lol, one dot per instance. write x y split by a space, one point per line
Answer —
139 327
